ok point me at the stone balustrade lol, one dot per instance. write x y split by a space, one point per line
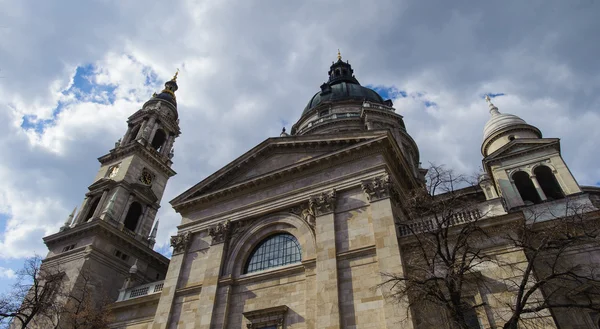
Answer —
140 291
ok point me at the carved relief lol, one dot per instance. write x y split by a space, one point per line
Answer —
180 242
307 213
322 204
379 188
220 232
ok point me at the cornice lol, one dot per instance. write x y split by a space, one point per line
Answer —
136 148
103 227
533 148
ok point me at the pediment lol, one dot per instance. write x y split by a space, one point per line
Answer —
145 191
274 155
522 146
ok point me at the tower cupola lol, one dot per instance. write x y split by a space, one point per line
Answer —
503 128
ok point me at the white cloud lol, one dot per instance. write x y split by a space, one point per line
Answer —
7 273
245 68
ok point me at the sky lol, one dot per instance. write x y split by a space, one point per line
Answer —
71 72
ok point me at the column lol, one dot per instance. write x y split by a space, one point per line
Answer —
153 132
126 136
168 144
126 208
328 307
208 294
82 210
379 192
141 220
538 188
180 244
100 205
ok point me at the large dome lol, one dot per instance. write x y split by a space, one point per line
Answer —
343 91
342 85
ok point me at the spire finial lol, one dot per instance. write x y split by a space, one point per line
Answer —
493 108
339 55
175 76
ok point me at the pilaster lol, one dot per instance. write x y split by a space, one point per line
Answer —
180 244
208 295
328 308
380 192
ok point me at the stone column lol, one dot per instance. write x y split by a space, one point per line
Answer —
380 192
328 307
126 136
538 188
168 144
208 294
154 129
126 208
141 220
82 210
180 244
100 204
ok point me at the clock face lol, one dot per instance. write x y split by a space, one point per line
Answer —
112 171
146 177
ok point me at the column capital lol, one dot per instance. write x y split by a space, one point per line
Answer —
379 188
323 203
180 242
220 232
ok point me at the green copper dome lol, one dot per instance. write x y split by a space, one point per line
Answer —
342 85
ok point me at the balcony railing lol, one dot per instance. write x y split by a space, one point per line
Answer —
140 291
486 209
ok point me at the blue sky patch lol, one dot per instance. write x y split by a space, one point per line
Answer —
388 92
493 95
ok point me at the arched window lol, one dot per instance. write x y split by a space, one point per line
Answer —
92 209
526 189
133 215
159 139
276 250
133 134
548 183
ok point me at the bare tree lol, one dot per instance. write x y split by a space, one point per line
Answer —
558 274
447 241
43 298
31 296
441 257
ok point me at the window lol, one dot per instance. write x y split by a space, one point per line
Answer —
548 183
511 137
159 139
470 313
133 215
121 255
69 247
526 189
277 250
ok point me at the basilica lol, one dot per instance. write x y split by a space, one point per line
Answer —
299 231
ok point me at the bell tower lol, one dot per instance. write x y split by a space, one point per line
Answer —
116 226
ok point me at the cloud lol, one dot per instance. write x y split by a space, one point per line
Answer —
7 273
72 74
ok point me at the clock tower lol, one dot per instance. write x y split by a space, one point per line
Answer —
115 229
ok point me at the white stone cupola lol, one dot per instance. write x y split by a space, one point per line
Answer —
520 165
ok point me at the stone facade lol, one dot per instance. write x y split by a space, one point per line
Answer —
337 185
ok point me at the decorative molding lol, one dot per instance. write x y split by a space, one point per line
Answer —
323 203
180 242
379 188
273 316
306 212
220 232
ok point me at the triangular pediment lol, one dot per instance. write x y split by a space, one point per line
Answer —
274 155
521 146
145 191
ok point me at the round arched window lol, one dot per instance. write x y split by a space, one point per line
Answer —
276 250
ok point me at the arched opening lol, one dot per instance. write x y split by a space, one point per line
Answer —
92 209
548 183
337 73
276 250
159 139
526 189
133 215
133 134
